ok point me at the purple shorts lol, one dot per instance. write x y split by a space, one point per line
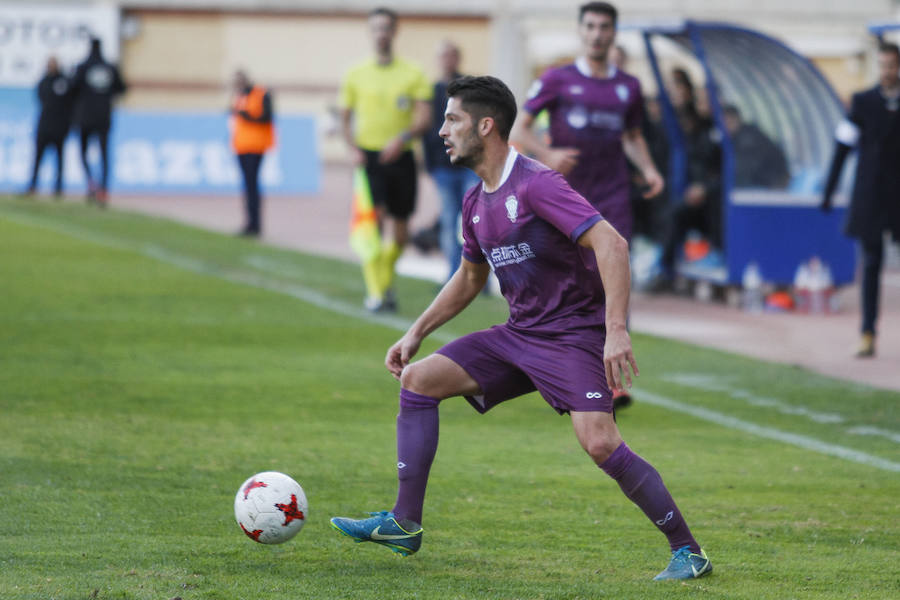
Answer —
566 368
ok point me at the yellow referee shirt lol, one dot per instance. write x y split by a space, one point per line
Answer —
381 98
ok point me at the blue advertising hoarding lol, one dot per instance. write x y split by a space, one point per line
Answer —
157 152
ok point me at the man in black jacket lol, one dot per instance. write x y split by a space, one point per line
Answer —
55 95
873 126
95 84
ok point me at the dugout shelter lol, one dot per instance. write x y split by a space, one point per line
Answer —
786 97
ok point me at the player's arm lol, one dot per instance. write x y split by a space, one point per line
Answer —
356 155
611 252
462 288
846 137
635 147
421 121
524 137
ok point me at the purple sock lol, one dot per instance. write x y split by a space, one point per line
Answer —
417 440
643 486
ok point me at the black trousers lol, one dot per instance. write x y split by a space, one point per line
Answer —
706 218
872 256
41 142
102 136
250 164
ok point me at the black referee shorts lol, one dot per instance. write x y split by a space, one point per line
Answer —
393 185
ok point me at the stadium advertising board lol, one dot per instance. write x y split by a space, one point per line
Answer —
164 152
32 32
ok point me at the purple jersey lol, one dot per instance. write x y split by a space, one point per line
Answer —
527 230
591 114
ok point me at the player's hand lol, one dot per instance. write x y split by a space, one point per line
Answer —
695 194
617 358
357 157
392 150
399 355
654 182
561 159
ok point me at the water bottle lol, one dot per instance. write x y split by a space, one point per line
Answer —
820 285
752 282
801 288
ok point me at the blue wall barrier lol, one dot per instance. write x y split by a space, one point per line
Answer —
159 152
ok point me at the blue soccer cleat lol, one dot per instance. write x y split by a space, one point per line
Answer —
382 528
686 565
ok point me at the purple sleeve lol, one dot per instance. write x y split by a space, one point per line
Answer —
635 112
553 199
471 251
541 94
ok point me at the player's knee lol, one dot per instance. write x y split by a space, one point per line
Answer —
600 447
415 378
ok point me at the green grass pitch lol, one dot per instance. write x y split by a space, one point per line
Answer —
148 368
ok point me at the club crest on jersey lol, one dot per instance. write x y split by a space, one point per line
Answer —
578 117
575 90
512 208
622 92
535 89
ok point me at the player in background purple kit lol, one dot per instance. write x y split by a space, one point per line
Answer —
526 224
595 126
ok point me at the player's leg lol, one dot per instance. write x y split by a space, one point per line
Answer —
371 266
59 144
449 184
250 164
84 139
40 144
599 436
872 257
402 187
423 385
103 140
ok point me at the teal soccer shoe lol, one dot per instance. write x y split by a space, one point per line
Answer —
382 528
686 565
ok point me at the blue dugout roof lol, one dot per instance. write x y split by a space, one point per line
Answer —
773 86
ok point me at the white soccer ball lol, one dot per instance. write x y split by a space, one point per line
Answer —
270 507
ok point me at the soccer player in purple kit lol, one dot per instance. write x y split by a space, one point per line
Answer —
526 224
595 126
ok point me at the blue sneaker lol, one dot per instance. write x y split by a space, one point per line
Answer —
686 565
382 528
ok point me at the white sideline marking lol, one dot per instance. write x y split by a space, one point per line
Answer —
802 441
715 383
322 301
876 431
294 290
252 279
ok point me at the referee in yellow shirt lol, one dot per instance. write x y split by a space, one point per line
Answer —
385 104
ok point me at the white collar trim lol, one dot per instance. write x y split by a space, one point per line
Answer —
581 63
511 157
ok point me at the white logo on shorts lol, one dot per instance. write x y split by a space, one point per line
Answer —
475 219
593 395
401 465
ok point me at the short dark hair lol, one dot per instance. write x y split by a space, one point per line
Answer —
603 8
889 48
486 97
381 10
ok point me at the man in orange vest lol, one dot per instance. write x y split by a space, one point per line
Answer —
252 133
